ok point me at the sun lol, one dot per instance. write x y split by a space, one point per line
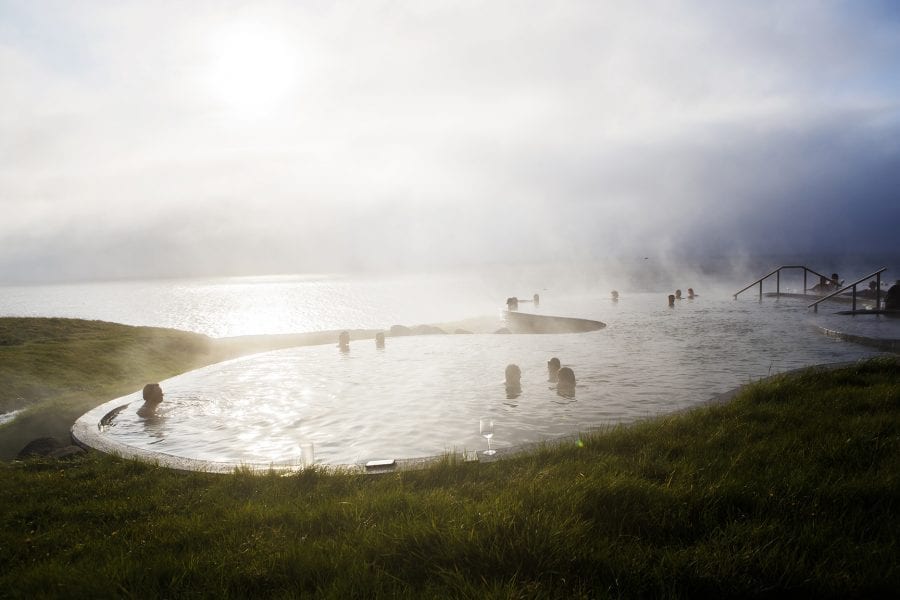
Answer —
253 69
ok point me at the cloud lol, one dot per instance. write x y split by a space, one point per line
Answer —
430 134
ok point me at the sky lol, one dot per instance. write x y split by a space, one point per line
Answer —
155 139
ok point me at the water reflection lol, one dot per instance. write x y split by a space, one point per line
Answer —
421 398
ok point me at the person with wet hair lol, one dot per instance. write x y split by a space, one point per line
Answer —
820 287
892 298
671 299
691 294
513 381
153 396
552 369
565 385
678 294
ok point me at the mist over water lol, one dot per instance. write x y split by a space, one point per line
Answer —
231 306
423 395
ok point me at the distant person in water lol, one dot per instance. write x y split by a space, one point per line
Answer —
691 294
678 294
552 369
379 339
822 286
615 295
512 303
153 396
344 341
536 299
892 298
565 385
671 299
513 381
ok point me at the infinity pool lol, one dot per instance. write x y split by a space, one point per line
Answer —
424 395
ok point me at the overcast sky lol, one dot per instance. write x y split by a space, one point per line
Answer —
176 138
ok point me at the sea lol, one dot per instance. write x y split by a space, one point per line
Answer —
427 395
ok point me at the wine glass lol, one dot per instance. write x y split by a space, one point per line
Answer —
486 427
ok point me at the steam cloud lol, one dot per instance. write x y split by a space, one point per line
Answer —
425 135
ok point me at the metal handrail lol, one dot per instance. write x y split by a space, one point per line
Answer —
777 272
876 275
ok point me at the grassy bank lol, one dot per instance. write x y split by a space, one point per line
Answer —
792 487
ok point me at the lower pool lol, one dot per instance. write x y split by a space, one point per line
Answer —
424 395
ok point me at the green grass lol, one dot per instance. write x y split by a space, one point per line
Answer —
57 369
792 488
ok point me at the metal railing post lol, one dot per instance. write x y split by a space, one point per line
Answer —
878 292
852 286
805 271
778 282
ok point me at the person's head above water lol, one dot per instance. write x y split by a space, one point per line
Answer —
153 393
566 382
553 368
153 396
513 374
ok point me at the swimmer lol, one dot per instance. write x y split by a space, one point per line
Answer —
691 294
678 294
513 375
822 286
344 341
536 299
513 381
671 299
552 369
892 298
615 295
566 382
153 396
379 339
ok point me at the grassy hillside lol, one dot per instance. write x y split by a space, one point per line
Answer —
59 368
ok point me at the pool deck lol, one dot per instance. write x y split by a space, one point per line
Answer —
875 329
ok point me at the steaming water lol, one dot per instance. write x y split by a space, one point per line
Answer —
424 395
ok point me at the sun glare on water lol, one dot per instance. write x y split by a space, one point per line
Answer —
253 69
